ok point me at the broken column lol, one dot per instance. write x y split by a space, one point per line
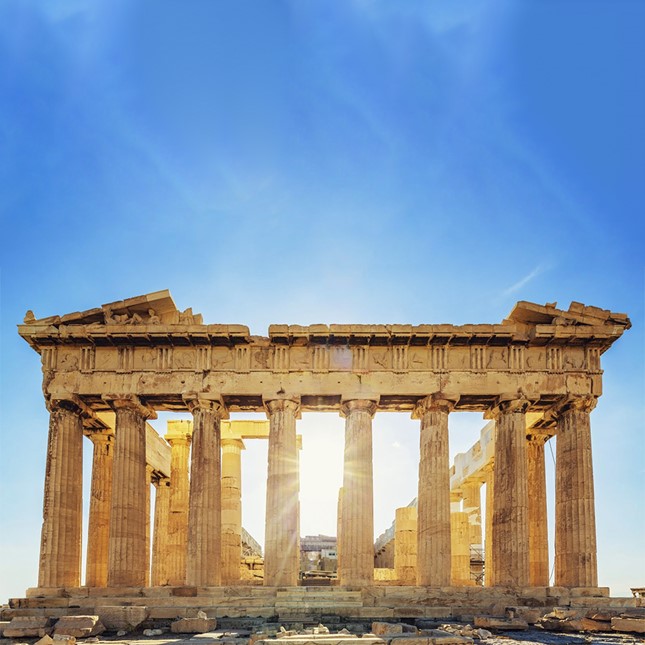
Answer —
357 534
575 522
281 553
405 545
203 557
538 534
60 545
433 524
231 509
127 558
178 435
510 513
98 531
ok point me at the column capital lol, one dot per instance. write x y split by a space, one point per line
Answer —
69 402
580 403
433 403
508 403
101 436
291 404
361 405
129 402
233 445
206 402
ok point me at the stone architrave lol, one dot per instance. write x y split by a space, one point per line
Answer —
204 554
405 545
510 512
178 436
231 509
575 522
127 558
433 524
489 564
159 573
98 532
357 517
281 553
60 545
538 533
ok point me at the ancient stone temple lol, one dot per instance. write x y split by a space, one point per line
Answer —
107 371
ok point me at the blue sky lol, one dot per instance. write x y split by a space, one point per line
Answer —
359 161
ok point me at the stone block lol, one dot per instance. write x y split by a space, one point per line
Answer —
193 625
45 640
380 628
530 614
118 617
79 626
3 624
500 624
62 639
634 625
28 627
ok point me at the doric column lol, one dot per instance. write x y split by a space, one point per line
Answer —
357 533
471 493
98 531
60 545
460 549
575 521
178 435
510 512
204 554
433 524
231 509
159 575
538 534
149 472
339 527
127 559
489 576
405 545
281 552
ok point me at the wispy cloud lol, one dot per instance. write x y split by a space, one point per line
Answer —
540 268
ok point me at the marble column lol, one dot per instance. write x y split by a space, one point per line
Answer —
339 527
357 533
405 545
231 509
281 552
510 512
460 549
149 472
98 531
204 553
575 522
127 559
433 525
60 544
178 436
472 505
489 568
538 534
159 574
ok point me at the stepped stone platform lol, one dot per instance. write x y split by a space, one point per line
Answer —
236 605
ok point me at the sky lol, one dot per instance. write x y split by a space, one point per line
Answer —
299 162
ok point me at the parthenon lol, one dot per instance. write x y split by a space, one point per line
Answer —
108 370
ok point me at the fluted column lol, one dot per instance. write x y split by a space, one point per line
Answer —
460 549
575 521
98 531
127 560
231 509
281 552
178 435
433 524
510 513
339 527
357 533
204 554
60 544
489 564
159 575
405 545
471 493
149 472
538 534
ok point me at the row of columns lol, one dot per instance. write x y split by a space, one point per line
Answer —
207 558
